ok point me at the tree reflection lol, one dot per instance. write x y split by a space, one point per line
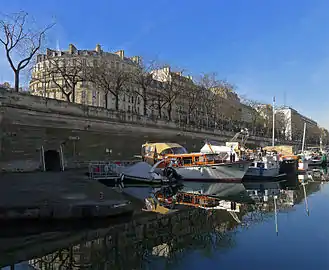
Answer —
167 239
138 245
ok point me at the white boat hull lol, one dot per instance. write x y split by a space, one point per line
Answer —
271 172
230 172
303 166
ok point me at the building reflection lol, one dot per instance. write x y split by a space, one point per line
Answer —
150 238
133 245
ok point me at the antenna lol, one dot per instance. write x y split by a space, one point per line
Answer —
57 45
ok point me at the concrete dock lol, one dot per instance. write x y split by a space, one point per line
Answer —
58 195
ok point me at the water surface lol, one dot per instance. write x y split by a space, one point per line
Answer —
198 239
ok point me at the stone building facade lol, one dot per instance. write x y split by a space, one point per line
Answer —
44 84
292 122
168 93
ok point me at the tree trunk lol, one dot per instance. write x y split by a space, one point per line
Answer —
106 101
16 81
67 96
169 109
159 108
73 93
144 101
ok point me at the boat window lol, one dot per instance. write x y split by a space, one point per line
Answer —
212 157
179 150
222 156
174 150
187 160
166 151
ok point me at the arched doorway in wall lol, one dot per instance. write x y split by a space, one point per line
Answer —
52 160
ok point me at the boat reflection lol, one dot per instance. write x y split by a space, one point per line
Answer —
150 240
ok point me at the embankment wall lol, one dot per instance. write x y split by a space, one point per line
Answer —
30 123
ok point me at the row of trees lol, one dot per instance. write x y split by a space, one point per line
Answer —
137 82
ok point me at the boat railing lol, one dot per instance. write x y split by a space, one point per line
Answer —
107 169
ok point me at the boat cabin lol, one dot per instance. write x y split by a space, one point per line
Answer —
177 155
153 152
194 159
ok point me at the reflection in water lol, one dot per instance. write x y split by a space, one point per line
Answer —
139 244
152 240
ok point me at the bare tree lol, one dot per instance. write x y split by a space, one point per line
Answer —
143 79
158 101
173 88
66 74
208 82
193 98
19 40
110 80
254 106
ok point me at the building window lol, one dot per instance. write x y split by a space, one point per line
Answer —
128 108
93 102
83 97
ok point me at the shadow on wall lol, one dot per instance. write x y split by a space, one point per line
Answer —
52 160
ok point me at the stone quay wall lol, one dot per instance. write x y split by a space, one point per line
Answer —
29 124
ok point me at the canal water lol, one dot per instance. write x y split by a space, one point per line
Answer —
295 236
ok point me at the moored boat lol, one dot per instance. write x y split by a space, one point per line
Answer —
174 159
267 166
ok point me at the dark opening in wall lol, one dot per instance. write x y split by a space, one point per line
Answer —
52 160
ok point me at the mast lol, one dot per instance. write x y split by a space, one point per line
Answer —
273 124
304 134
276 215
305 199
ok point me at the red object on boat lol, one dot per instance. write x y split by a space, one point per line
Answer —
169 200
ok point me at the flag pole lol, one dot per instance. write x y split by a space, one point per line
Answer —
273 124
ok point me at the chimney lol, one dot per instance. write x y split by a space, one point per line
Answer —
136 59
166 69
72 49
121 53
98 48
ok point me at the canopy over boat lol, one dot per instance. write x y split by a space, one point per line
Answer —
215 148
159 148
282 149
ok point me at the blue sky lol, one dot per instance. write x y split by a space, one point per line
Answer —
265 47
